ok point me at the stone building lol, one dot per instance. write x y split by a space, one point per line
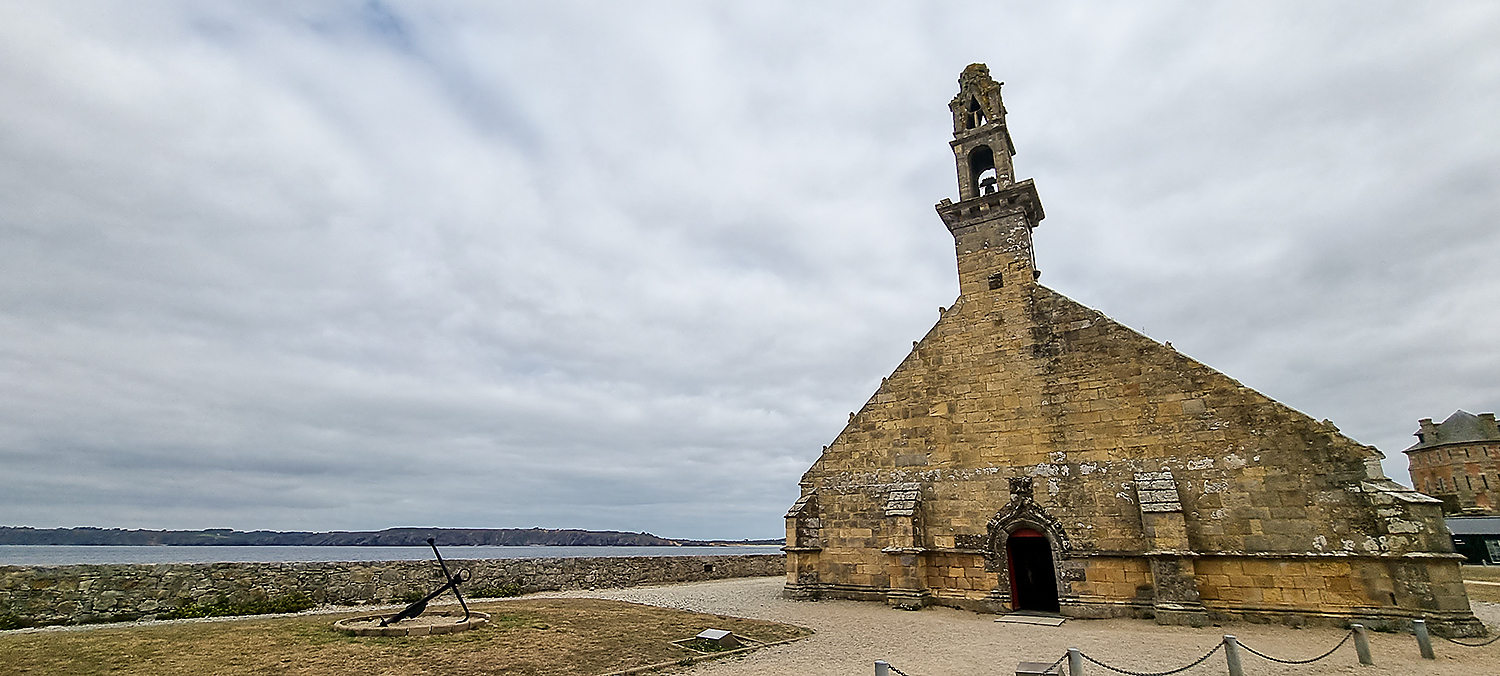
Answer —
1458 462
1032 454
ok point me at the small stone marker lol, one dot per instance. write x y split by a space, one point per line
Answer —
1036 669
723 638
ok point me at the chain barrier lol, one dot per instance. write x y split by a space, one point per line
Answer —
1282 661
1211 653
1128 672
1472 645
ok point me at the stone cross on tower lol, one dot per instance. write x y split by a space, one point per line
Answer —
994 216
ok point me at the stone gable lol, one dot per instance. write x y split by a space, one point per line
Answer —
1025 426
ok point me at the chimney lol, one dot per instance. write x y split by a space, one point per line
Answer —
1428 432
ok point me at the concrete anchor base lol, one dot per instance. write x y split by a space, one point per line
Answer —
430 624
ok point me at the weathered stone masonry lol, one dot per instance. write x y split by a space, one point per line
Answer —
1032 453
95 593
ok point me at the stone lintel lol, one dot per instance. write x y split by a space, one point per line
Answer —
1396 491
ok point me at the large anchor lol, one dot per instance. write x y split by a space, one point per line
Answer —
450 582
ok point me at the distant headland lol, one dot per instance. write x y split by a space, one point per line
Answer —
390 537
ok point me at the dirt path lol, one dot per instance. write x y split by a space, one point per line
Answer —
946 642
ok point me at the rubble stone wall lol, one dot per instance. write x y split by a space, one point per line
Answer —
35 595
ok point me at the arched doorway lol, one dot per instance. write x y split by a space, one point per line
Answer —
1033 577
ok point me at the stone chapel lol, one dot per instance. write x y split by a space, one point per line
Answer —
1031 454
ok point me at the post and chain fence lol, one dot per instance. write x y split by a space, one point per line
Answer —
1128 672
1472 645
1308 661
1424 640
1229 644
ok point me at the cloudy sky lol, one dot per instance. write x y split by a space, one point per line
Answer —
353 265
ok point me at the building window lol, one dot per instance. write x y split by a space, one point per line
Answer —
996 281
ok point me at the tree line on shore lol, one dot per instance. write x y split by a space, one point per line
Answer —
390 537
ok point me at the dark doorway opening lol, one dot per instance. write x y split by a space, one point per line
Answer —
1033 581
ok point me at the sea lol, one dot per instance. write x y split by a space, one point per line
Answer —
63 555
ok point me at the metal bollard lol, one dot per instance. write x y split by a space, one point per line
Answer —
1424 642
882 668
1362 644
1075 662
1232 655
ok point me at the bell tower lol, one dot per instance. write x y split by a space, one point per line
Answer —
992 221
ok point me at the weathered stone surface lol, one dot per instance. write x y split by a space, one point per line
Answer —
1162 486
94 593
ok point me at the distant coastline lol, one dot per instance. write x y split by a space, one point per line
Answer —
390 537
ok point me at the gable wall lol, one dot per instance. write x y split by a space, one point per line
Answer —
1021 381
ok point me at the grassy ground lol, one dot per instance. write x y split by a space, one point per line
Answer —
1483 592
541 636
1487 573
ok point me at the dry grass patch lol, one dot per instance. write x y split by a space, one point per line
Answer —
1482 592
1487 573
541 636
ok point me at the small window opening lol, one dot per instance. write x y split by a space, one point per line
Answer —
1468 482
975 116
1485 479
996 281
1441 487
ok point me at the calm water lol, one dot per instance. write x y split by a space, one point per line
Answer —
57 555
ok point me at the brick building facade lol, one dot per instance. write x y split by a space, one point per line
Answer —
1030 453
1458 462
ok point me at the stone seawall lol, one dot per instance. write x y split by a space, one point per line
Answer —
37 595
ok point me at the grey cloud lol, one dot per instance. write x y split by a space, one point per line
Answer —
356 265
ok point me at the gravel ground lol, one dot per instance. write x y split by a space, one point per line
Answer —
946 642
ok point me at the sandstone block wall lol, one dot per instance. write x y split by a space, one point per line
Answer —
1163 488
1083 408
98 593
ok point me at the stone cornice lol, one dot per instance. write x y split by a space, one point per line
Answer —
1015 197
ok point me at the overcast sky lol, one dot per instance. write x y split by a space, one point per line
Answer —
355 265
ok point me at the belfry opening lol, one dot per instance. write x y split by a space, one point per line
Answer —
976 115
982 169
